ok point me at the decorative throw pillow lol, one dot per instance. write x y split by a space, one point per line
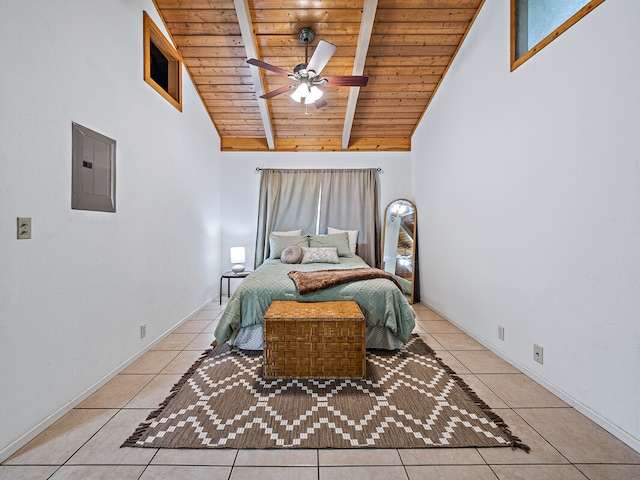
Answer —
353 237
289 233
320 255
291 254
277 243
338 240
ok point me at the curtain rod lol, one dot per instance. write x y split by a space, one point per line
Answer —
259 169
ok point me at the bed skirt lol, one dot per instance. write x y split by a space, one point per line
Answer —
252 338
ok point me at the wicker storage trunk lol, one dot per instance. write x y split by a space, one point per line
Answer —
314 340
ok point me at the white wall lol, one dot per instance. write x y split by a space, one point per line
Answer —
242 184
526 183
72 298
528 188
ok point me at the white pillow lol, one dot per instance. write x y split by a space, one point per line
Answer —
353 237
290 233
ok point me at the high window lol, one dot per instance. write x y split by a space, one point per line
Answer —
536 23
162 64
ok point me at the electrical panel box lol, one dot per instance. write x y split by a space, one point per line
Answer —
93 170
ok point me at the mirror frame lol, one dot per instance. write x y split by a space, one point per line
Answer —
414 264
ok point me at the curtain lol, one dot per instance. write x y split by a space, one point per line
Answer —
288 201
350 202
344 199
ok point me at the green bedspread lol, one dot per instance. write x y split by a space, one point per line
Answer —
381 301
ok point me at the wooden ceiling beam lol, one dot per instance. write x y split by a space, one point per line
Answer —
364 37
250 45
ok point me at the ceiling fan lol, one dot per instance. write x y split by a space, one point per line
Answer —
307 74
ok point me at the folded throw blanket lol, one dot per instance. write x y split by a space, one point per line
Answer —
308 282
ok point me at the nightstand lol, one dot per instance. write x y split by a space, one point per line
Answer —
229 275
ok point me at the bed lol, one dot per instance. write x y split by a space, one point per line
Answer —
389 316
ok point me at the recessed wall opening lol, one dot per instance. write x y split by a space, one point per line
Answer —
162 64
159 67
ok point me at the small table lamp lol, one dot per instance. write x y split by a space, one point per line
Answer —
237 258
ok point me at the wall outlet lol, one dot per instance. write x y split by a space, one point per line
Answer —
24 228
143 330
537 353
501 332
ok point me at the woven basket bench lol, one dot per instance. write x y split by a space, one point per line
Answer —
314 340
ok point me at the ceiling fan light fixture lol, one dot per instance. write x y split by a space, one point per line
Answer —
400 208
309 93
307 74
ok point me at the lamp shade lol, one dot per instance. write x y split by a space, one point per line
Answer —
237 255
314 94
300 92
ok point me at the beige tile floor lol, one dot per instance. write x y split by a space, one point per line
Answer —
85 443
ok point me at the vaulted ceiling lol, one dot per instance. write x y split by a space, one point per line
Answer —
403 46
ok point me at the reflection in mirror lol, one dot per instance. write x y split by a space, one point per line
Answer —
399 246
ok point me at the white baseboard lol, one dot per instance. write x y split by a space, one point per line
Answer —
41 426
610 427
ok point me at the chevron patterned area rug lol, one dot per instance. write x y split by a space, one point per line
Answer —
409 399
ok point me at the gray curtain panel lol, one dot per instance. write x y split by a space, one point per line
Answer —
344 199
288 201
349 201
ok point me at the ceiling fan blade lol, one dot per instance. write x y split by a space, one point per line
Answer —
267 66
320 103
277 92
346 80
322 54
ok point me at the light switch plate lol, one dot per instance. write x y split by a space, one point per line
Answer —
24 228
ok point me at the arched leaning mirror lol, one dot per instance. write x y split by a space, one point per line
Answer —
399 245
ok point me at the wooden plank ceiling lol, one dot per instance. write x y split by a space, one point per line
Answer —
405 46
